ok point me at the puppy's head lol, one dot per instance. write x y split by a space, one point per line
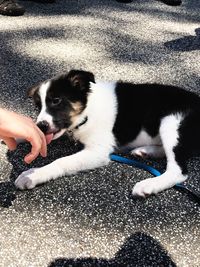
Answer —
60 101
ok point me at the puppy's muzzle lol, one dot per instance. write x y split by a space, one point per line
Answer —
43 126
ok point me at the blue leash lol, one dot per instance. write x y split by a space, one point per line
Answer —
154 172
135 163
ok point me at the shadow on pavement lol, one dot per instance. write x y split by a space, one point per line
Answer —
93 194
186 43
80 7
139 249
7 194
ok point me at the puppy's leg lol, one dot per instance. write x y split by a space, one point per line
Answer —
83 160
176 170
149 152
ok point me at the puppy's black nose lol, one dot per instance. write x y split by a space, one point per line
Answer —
43 125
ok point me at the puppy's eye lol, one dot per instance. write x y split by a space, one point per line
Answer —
37 102
56 101
38 105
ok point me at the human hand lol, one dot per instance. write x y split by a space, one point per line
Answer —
13 125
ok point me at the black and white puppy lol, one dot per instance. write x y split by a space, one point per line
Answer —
149 119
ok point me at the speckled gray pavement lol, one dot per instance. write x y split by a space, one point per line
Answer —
90 219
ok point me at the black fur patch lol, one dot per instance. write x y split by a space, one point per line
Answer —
142 106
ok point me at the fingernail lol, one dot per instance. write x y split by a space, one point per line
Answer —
44 155
28 161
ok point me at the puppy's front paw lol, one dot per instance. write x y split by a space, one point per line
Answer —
145 188
26 180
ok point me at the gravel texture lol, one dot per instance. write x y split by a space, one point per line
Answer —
90 219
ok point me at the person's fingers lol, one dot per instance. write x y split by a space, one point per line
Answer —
29 119
43 151
10 142
35 150
31 156
39 146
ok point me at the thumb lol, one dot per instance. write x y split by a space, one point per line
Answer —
10 142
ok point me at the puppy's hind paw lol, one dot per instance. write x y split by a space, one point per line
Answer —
140 152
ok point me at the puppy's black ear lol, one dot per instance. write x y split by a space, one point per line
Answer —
33 90
80 79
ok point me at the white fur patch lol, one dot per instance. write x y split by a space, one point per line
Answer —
101 111
144 139
44 115
169 133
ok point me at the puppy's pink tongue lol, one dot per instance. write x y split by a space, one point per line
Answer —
49 138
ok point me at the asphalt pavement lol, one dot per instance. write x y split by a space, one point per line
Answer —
90 219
